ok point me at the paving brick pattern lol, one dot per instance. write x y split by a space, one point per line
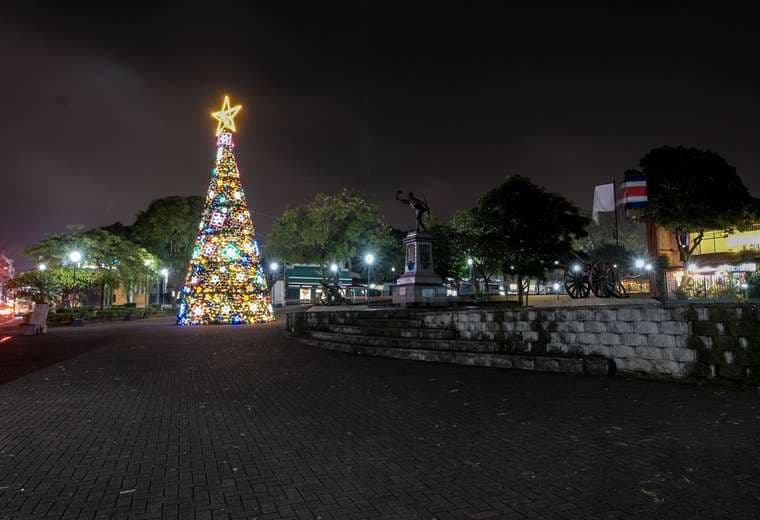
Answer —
243 422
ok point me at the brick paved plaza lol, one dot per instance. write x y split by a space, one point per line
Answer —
146 420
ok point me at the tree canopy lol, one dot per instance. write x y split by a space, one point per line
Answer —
330 228
527 227
106 260
168 228
691 191
600 240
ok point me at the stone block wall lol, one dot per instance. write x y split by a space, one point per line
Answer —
726 339
675 340
649 338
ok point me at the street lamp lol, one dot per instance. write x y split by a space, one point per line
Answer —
369 259
165 273
273 267
334 267
639 263
648 267
41 267
75 257
556 286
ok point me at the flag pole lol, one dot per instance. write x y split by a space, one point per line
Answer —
615 200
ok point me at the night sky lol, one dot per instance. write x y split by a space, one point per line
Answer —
107 107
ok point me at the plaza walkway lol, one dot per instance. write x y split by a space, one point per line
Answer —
146 420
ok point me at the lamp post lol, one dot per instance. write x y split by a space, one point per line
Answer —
470 263
273 272
75 257
369 259
165 274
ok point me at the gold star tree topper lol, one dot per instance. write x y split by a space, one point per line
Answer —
226 116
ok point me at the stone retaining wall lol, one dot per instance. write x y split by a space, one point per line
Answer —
703 340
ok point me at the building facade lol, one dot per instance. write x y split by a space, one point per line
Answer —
719 266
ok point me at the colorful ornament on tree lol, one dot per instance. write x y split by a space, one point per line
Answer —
225 282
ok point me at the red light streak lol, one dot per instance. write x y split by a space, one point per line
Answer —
5 338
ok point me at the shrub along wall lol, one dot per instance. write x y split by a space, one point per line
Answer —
125 312
702 340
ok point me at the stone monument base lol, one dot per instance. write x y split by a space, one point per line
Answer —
419 294
419 285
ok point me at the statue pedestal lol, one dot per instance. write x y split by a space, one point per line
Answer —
419 285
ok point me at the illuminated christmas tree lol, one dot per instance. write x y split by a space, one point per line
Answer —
225 282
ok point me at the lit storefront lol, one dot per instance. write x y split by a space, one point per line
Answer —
720 264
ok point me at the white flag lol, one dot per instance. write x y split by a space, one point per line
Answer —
604 200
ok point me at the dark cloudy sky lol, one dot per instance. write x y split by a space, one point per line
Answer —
106 107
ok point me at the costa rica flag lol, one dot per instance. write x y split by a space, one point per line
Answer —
633 191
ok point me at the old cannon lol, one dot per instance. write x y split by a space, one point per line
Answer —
594 277
332 294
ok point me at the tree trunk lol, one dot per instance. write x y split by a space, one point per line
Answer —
686 250
520 290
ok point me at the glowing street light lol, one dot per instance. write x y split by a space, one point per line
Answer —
75 256
555 287
648 267
165 273
369 259
470 261
639 263
576 267
334 267
274 266
41 267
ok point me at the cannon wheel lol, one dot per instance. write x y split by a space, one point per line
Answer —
331 296
603 280
576 284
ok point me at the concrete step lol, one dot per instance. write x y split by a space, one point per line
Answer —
396 323
394 332
563 365
399 342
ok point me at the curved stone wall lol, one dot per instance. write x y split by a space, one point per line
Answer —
709 340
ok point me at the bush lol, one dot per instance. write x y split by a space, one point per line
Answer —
59 318
753 281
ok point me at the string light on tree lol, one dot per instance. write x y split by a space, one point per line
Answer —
225 282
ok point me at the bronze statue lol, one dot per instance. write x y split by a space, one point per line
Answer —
420 206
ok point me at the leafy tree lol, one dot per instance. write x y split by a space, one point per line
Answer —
448 259
330 228
601 237
528 227
53 285
691 191
167 228
390 255
470 239
107 261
